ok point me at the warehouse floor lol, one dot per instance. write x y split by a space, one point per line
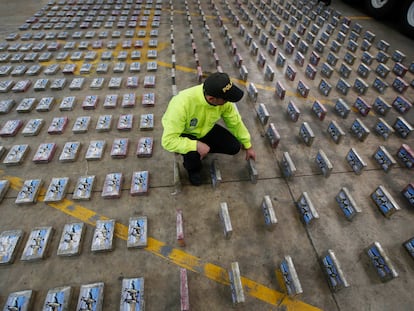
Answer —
207 254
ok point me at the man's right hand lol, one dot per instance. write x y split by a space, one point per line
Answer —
202 149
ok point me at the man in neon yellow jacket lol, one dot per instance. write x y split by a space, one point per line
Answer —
190 123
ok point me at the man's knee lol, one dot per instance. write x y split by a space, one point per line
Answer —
235 148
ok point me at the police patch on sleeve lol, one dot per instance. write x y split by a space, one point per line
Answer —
193 122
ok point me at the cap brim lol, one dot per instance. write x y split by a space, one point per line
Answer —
234 94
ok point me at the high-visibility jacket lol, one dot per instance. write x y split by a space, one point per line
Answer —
188 112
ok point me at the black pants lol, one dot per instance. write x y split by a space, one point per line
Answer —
219 139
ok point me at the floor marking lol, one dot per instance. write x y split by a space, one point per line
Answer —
174 255
360 17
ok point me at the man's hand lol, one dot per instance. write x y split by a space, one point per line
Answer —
250 154
202 149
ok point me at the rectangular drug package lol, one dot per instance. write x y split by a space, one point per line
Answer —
33 127
58 299
57 189
91 297
145 146
83 188
140 183
112 185
23 299
10 128
10 241
71 239
132 295
70 151
104 123
120 148
137 232
95 150
103 236
58 125
29 191
16 155
37 243
44 153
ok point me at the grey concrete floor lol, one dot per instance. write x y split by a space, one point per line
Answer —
207 254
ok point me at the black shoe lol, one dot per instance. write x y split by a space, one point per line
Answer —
195 178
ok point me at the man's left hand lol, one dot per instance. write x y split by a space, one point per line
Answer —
250 154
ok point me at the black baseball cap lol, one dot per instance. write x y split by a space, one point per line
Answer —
219 85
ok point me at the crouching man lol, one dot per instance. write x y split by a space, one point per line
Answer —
190 123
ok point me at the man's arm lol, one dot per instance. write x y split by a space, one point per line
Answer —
172 140
235 125
174 123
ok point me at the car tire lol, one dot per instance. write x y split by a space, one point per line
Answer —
380 8
407 18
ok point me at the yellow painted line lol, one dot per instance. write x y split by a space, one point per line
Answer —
175 255
360 17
